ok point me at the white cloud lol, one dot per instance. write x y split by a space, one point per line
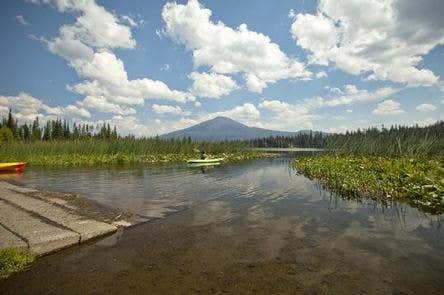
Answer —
339 129
27 107
167 109
388 107
428 121
426 107
107 77
21 20
76 111
132 21
321 74
86 45
100 104
301 115
165 67
383 39
350 94
95 27
288 116
227 50
129 125
246 113
211 85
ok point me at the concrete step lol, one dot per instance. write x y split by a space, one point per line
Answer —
41 236
8 239
86 228
16 188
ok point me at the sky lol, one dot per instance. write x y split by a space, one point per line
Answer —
150 67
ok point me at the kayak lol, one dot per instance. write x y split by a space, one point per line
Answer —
16 166
200 161
200 165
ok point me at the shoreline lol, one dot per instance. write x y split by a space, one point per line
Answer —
44 222
81 160
415 181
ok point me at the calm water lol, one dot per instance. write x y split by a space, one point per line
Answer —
256 227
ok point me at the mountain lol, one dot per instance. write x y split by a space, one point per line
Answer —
223 128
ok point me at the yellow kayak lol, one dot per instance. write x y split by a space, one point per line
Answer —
15 166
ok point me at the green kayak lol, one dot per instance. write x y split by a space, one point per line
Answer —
199 161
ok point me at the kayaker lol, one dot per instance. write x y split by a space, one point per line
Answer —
203 155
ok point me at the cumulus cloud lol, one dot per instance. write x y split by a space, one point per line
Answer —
350 94
321 74
384 40
129 125
27 107
226 50
132 21
388 107
426 107
95 26
302 114
428 121
87 45
100 104
21 20
288 116
246 113
167 109
211 85
106 76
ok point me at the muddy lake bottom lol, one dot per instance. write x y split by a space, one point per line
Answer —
255 227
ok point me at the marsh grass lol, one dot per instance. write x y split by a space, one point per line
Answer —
13 260
396 141
417 181
94 151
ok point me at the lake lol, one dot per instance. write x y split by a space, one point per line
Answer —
251 227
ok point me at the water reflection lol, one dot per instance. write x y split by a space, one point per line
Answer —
257 227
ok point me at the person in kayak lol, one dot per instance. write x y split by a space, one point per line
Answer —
203 155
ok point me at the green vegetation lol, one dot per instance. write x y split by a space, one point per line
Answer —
419 182
118 151
413 141
394 141
59 144
6 135
13 260
402 163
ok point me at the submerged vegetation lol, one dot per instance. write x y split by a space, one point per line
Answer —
59 144
13 260
402 163
417 181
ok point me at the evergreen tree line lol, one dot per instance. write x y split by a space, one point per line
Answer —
58 129
300 140
396 140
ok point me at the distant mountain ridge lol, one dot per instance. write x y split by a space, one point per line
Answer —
223 128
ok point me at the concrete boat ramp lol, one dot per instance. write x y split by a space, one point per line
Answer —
46 222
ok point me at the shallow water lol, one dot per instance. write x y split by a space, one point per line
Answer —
255 227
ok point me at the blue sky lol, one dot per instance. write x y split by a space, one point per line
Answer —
150 67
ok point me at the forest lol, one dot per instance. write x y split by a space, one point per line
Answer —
395 140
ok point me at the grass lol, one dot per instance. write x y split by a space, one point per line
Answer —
88 152
417 181
13 260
